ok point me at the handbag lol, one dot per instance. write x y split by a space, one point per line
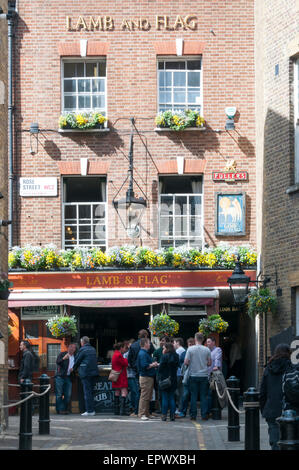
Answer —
165 383
114 374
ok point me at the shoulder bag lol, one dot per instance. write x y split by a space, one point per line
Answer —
114 374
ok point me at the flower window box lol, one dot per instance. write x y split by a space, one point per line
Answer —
84 122
179 121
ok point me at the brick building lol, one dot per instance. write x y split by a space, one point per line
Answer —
277 155
132 60
3 212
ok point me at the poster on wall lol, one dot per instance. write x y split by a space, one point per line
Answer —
230 214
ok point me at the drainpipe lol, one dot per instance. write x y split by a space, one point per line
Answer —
9 16
10 23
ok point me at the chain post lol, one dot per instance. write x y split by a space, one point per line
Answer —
25 435
44 407
233 427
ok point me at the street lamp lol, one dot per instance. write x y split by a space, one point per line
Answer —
130 208
239 283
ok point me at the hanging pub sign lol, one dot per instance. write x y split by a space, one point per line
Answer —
230 214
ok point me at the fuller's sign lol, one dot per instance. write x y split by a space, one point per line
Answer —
230 176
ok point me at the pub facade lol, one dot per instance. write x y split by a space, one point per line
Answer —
134 169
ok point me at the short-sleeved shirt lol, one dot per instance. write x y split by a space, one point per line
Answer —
198 356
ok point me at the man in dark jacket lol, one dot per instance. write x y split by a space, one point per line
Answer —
146 369
63 379
86 363
27 362
271 394
135 348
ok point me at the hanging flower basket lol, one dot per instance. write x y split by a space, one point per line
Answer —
62 326
261 301
163 325
212 324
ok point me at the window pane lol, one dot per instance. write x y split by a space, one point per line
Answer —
195 205
179 79
84 212
69 70
166 205
102 69
166 227
70 102
70 233
180 206
69 86
31 330
84 233
194 79
91 69
98 101
70 212
181 229
83 85
161 65
179 96
195 226
98 85
99 231
99 211
194 65
84 102
52 352
164 97
194 97
179 65
80 69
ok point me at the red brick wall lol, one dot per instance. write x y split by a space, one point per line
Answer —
228 79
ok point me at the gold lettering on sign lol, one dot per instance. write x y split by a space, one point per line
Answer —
68 23
81 24
179 22
96 24
141 24
191 22
108 23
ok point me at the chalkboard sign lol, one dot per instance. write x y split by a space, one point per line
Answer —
103 395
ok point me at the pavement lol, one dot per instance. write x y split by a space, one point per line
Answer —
118 433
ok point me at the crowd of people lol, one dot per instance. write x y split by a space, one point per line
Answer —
165 380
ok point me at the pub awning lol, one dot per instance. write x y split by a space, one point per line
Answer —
114 298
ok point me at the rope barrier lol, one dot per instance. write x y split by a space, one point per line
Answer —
32 394
226 391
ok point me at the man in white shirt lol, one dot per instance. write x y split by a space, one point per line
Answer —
198 358
63 381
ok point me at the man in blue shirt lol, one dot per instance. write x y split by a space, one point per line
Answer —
146 369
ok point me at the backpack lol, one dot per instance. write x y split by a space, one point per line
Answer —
290 386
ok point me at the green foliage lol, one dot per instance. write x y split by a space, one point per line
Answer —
261 301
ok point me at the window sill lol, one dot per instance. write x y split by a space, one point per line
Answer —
293 189
65 131
167 129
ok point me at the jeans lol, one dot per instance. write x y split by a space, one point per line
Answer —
201 385
273 432
168 402
179 392
88 384
185 398
63 388
134 390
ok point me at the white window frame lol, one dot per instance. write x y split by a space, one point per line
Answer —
188 236
183 59
296 119
63 94
91 203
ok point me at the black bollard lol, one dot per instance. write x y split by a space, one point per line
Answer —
25 435
233 427
288 430
252 419
215 410
44 414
